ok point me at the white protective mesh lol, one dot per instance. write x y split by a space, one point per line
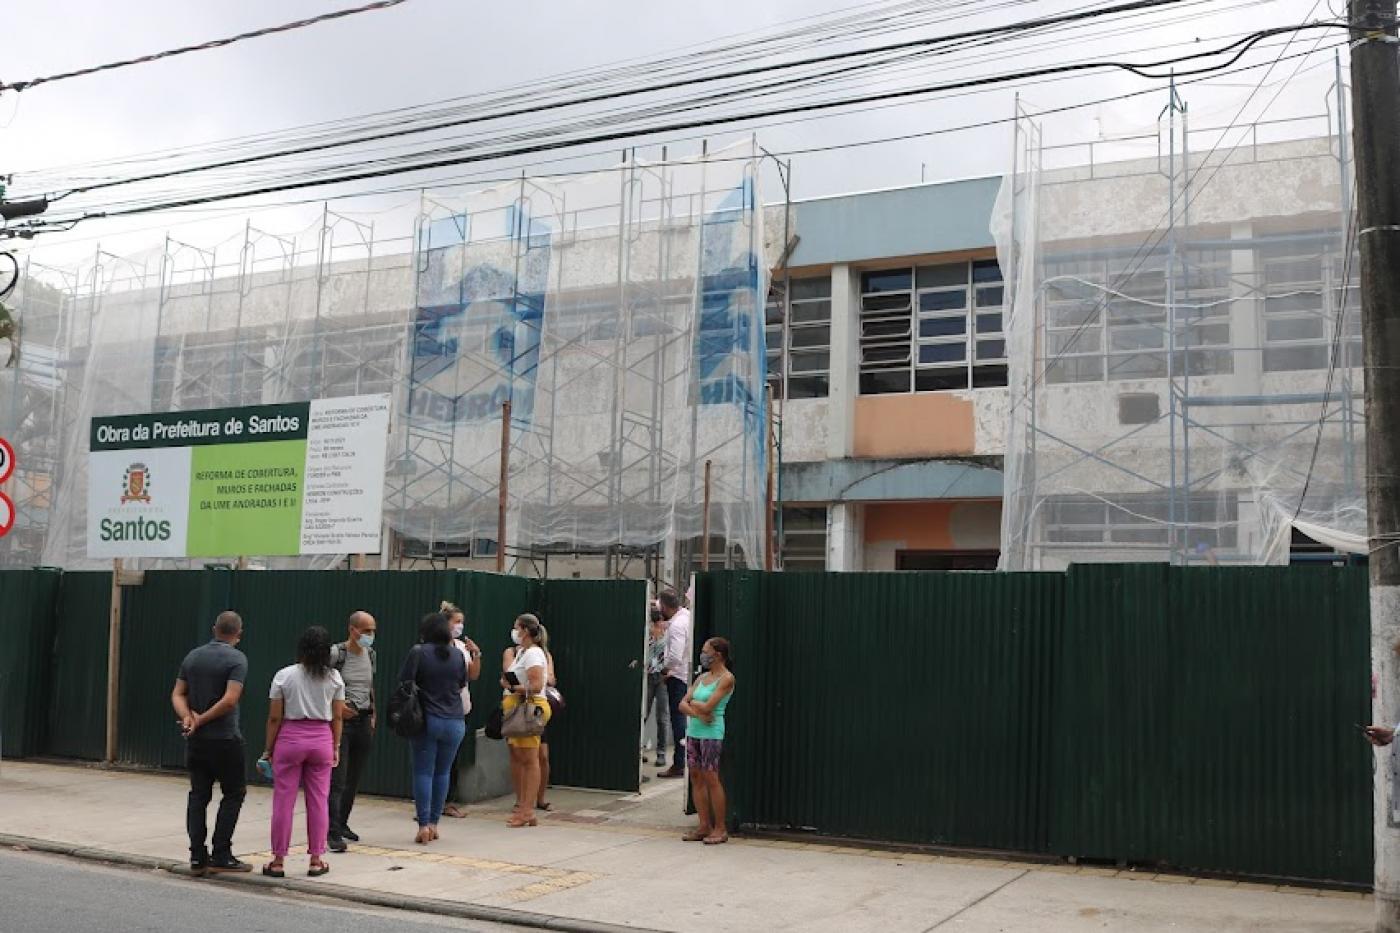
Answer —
618 312
1184 349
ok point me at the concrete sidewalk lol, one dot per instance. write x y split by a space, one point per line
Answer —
619 860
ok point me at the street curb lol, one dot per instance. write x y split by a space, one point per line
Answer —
424 905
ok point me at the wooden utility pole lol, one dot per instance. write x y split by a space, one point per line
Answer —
1375 89
504 489
114 658
705 523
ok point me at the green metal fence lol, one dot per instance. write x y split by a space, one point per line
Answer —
1199 718
1212 725
597 633
75 708
27 602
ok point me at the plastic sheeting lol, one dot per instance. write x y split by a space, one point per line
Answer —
1184 352
618 312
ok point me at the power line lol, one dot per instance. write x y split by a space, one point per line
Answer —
58 225
925 43
631 132
201 47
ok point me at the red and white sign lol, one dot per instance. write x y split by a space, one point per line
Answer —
7 507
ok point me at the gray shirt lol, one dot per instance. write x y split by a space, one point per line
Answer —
357 670
206 672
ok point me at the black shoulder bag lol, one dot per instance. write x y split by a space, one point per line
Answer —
406 716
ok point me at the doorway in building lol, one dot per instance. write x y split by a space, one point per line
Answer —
946 560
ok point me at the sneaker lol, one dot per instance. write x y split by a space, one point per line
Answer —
661 761
199 867
336 843
229 864
350 834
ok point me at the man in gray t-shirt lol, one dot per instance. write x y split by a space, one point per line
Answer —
205 699
354 658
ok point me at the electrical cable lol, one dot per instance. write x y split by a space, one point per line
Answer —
1131 6
477 178
631 132
201 47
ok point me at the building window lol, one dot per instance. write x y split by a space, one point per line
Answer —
1304 285
932 328
804 538
798 335
1142 521
1107 318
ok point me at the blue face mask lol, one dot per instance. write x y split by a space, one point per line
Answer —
365 641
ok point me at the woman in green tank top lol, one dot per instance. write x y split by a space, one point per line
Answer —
704 740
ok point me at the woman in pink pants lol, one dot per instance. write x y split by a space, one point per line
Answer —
303 744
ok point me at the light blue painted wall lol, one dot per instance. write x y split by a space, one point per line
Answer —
889 481
936 218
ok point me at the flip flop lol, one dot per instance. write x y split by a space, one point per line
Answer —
694 835
716 840
273 872
316 871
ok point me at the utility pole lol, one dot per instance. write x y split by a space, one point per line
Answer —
1375 87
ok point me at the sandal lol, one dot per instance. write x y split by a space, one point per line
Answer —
516 822
716 840
273 870
424 836
317 870
546 807
432 834
454 811
695 835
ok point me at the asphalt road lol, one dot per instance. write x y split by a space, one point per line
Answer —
46 894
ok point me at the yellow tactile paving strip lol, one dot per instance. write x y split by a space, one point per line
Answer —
553 880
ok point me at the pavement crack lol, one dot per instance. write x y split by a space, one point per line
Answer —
965 908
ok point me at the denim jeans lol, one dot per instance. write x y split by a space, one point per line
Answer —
211 760
434 751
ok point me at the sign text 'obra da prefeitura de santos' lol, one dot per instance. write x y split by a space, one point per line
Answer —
274 480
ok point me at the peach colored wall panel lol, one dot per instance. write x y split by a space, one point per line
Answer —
903 426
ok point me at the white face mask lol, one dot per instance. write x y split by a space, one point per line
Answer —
515 635
457 630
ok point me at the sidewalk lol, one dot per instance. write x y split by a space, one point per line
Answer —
619 860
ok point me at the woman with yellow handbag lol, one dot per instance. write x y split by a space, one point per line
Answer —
525 712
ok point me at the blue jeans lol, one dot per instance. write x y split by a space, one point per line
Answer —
434 751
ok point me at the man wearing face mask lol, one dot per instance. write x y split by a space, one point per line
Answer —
472 655
354 659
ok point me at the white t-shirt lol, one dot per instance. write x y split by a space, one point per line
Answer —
467 690
524 660
304 696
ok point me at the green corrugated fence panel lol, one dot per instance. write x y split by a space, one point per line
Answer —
278 606
77 701
597 634
171 612
848 680
1205 720
28 598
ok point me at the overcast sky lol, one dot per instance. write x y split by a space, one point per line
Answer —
426 50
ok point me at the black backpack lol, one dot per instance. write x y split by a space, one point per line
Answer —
406 716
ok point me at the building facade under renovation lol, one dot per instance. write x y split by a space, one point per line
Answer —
1153 358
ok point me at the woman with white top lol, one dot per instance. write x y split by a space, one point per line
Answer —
530 667
303 743
472 655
